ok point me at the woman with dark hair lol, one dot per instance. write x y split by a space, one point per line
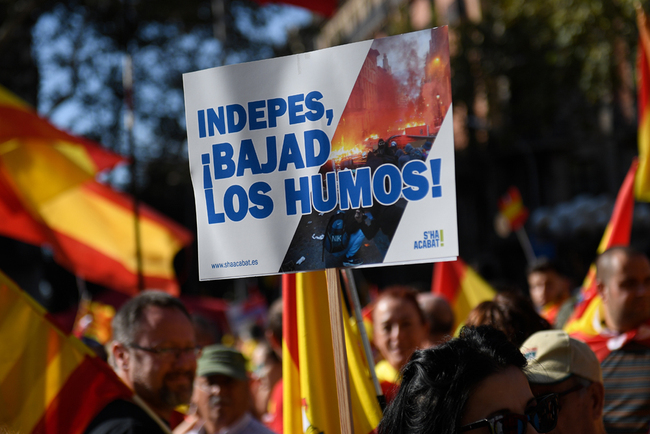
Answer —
471 382
512 313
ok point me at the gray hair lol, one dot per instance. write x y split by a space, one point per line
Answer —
127 320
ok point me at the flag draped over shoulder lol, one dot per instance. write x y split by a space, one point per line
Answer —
617 233
49 382
642 181
310 399
49 196
461 286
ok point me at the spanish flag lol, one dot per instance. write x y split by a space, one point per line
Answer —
49 382
310 399
463 288
49 196
511 206
642 181
45 151
617 233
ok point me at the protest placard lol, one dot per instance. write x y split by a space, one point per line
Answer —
337 157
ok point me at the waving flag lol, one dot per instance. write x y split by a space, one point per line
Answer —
48 196
511 206
40 150
49 382
310 398
463 288
642 181
617 233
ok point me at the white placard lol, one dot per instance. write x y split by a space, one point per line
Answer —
338 157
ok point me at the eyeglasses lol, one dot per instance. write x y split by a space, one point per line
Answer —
169 352
543 417
575 388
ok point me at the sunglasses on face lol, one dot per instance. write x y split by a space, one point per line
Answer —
543 417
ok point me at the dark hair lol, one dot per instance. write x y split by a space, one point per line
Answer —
405 293
510 312
542 265
127 320
438 312
437 382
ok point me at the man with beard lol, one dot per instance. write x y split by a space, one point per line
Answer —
154 352
222 394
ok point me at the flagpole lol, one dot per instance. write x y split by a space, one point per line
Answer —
340 352
129 119
525 244
353 295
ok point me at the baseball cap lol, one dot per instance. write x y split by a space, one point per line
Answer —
553 356
219 359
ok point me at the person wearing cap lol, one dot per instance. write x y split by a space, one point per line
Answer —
222 393
560 364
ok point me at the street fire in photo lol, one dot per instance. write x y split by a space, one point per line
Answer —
401 97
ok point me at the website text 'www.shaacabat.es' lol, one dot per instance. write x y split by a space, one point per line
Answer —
234 264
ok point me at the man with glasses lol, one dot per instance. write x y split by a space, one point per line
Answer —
154 352
222 393
567 367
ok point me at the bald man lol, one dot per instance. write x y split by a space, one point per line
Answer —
619 334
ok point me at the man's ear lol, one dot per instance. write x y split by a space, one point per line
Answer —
596 399
119 356
601 288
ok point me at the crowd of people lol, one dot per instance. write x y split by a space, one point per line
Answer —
511 368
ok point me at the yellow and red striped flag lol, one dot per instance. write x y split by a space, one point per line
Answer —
93 228
463 288
48 195
310 399
43 149
617 233
49 381
511 206
642 181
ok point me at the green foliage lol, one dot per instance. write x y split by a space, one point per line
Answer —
541 61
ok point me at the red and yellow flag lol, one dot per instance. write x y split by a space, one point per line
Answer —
310 399
49 382
48 195
511 206
461 286
642 181
43 150
617 233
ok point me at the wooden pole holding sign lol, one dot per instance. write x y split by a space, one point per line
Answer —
340 353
